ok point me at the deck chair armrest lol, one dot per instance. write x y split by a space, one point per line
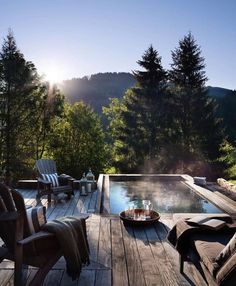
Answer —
84 216
8 216
65 179
44 182
35 236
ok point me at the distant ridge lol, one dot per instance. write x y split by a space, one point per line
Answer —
218 91
98 88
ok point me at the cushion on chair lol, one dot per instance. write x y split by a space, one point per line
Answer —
228 250
36 218
208 247
53 178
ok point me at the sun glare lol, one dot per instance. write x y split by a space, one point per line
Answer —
53 74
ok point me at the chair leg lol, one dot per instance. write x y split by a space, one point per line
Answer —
49 198
18 269
42 272
181 264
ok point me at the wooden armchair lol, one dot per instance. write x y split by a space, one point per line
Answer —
49 182
22 245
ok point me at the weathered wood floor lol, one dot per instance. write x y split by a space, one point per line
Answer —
120 255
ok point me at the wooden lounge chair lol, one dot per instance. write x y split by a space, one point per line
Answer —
46 169
38 249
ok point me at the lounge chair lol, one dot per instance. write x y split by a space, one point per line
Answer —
24 241
212 251
49 182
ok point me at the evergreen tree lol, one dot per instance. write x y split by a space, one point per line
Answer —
139 134
228 158
226 110
199 130
19 95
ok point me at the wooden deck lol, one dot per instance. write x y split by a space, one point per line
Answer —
119 255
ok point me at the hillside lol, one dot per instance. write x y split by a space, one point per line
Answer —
97 89
218 92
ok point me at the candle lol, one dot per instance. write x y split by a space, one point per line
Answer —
83 190
89 188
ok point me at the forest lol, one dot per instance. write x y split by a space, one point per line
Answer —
151 121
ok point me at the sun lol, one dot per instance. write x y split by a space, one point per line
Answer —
53 74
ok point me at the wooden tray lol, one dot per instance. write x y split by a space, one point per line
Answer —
127 217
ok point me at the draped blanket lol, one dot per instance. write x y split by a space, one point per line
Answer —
71 235
180 235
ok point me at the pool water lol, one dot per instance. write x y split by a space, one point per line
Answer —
166 197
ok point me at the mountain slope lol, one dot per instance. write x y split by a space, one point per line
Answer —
97 89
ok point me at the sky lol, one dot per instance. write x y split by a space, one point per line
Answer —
75 38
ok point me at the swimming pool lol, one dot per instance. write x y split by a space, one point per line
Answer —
166 196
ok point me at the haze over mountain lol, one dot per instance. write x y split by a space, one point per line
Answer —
98 88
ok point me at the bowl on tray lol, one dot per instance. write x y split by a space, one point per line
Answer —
139 217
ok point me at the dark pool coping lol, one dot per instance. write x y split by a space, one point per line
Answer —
103 204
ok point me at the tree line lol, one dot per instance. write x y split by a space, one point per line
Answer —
165 123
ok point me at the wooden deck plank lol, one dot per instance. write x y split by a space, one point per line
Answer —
67 281
92 204
166 270
72 206
150 270
87 278
85 206
103 278
135 272
93 236
79 205
53 278
104 251
171 252
119 270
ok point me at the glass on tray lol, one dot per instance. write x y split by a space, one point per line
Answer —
147 206
129 213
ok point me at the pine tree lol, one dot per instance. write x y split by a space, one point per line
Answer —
138 136
19 94
199 128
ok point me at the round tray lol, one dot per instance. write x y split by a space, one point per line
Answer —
127 215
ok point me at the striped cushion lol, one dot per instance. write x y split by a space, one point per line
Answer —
53 178
36 218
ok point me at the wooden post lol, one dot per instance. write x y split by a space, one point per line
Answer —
18 271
